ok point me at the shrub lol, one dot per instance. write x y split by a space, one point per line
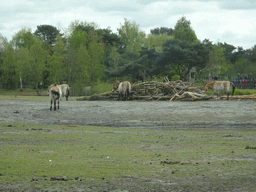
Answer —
175 78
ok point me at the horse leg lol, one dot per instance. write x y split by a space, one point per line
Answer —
54 105
51 105
228 95
128 94
67 98
58 104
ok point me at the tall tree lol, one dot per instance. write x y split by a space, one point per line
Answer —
217 62
113 46
23 38
37 59
251 54
21 64
85 52
132 37
3 44
8 76
183 31
96 50
156 41
78 59
127 66
47 33
56 65
161 31
181 56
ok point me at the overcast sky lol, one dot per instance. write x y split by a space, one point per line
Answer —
230 21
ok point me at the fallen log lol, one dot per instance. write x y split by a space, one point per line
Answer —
190 96
139 97
102 96
239 97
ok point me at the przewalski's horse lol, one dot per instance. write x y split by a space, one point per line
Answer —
217 86
65 90
124 89
54 93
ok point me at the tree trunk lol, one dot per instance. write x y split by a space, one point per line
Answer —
37 89
20 83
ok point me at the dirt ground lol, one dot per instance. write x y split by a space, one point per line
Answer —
176 115
135 114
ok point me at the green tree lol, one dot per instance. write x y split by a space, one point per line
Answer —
37 59
21 64
3 43
85 52
113 47
77 58
23 38
80 26
156 41
217 63
113 57
8 77
127 66
251 54
56 64
132 37
161 31
81 71
96 52
181 56
183 31
47 33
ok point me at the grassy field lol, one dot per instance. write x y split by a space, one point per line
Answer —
101 88
237 92
38 154
24 98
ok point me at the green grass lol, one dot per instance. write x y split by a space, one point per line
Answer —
44 151
24 98
237 92
101 87
25 92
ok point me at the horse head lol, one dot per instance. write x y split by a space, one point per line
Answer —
208 85
115 85
205 87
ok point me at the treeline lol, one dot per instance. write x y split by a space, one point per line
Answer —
86 55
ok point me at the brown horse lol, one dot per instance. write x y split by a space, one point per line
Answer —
54 93
217 86
124 89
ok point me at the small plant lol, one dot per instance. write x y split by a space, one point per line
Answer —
175 78
101 87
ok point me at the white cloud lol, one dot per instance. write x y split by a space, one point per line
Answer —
217 20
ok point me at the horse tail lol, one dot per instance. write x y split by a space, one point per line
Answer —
127 92
234 87
129 89
56 93
67 93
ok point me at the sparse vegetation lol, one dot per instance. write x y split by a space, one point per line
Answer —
40 153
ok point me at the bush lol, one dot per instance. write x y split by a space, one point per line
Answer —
101 87
245 92
175 78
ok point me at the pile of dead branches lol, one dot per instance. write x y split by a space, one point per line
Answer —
153 90
168 90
